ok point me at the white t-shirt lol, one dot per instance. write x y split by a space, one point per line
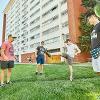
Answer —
71 49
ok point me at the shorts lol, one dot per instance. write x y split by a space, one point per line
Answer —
40 59
96 64
70 60
7 64
0 63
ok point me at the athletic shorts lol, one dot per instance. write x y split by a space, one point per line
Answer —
70 60
7 64
40 59
96 64
0 63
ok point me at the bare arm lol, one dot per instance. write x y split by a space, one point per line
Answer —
77 50
35 53
3 52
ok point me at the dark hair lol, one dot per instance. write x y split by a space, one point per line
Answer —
42 42
10 35
68 40
89 14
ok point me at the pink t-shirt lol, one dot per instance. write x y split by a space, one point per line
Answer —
0 56
8 50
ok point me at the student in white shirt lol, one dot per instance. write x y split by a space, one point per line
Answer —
71 51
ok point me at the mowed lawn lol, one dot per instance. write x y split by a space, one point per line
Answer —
53 85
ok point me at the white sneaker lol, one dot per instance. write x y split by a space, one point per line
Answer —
71 78
2 85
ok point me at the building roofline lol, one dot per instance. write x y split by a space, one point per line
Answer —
7 8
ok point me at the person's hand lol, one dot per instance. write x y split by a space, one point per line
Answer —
65 44
15 58
76 54
36 56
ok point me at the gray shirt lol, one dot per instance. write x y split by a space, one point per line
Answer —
41 50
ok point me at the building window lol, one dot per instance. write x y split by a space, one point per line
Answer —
54 50
34 5
35 21
52 40
32 1
47 3
50 20
63 2
51 30
24 15
24 27
35 45
25 7
32 37
35 28
50 11
24 20
65 24
64 12
33 14
35 36
24 2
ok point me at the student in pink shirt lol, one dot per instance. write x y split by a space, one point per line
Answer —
7 61
0 59
0 56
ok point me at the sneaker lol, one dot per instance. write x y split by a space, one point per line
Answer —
2 85
71 78
36 73
9 82
41 73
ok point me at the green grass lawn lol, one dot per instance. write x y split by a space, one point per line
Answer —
53 85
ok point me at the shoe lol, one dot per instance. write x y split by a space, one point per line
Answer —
36 73
71 78
2 85
41 73
9 82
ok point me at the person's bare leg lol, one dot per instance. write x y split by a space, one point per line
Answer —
42 66
9 74
37 68
2 76
71 72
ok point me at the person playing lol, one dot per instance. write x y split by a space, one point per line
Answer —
71 50
0 56
92 19
7 62
0 59
40 51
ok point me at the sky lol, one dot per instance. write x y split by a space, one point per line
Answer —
3 4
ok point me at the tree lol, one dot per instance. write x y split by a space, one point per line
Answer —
86 28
